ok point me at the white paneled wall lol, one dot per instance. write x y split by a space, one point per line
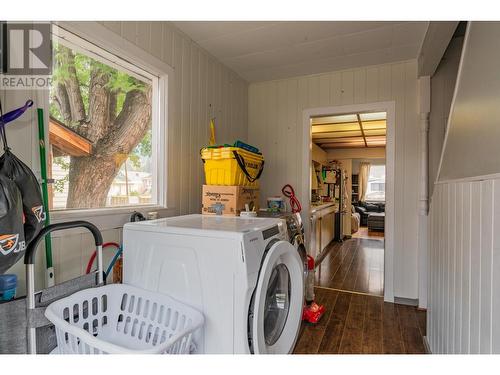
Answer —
204 88
464 259
275 126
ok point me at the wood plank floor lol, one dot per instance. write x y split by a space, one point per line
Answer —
355 265
363 232
362 324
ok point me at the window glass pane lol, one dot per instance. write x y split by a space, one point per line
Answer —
376 184
100 134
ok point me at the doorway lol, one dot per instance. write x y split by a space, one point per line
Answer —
344 262
368 211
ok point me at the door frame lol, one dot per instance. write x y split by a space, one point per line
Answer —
305 196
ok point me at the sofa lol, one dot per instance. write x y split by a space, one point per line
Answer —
376 221
365 208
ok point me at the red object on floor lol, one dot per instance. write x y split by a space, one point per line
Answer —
312 313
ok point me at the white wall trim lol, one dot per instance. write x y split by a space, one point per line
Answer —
105 219
305 196
115 44
492 176
424 106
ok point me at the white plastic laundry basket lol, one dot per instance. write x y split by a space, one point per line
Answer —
120 318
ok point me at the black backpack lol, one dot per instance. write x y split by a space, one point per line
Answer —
33 209
12 241
20 202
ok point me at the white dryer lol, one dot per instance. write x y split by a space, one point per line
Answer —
242 273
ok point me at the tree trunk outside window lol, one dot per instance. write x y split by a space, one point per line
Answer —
89 105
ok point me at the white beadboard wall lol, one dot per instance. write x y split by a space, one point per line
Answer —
204 88
275 126
464 274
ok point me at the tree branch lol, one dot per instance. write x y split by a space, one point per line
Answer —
72 86
113 102
130 126
99 102
62 100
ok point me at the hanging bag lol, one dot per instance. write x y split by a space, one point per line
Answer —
12 242
15 172
33 209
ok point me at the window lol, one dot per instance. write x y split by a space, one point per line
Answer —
376 184
103 129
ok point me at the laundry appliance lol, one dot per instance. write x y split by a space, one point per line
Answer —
295 231
242 273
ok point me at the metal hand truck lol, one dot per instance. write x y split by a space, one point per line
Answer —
23 326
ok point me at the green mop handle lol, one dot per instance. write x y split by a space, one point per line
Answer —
45 194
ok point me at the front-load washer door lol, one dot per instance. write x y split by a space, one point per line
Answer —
278 301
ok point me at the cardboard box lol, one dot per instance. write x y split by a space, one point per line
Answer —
228 200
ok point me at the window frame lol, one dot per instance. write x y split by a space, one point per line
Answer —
91 37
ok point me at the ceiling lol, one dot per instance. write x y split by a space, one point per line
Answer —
358 130
260 51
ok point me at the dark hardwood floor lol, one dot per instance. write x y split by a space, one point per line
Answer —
362 324
363 232
355 265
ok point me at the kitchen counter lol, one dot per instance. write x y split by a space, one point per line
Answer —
322 227
316 208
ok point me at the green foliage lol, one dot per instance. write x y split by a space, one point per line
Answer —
141 151
61 161
119 82
54 111
144 148
60 182
135 160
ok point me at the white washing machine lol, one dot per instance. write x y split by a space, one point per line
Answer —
295 232
242 273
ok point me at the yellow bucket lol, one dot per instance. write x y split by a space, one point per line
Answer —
232 166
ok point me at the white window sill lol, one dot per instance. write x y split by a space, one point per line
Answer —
104 218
